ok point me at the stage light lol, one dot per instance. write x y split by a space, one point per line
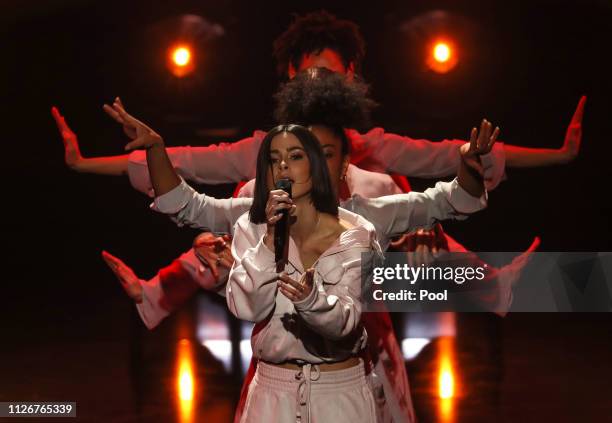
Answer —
181 60
185 381
181 56
441 52
447 385
446 382
442 56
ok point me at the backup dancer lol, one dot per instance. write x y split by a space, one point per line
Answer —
250 277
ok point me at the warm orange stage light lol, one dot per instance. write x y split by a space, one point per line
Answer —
441 52
442 56
447 380
181 56
180 60
185 381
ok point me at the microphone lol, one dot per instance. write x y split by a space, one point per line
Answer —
281 231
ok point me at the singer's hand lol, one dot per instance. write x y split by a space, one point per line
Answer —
296 291
278 200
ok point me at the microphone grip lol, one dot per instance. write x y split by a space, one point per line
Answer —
281 231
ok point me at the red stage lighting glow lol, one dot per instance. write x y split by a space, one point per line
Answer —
441 52
180 61
442 56
181 56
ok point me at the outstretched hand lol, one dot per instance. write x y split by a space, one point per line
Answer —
142 136
573 135
72 153
481 142
214 252
423 246
128 128
128 279
296 291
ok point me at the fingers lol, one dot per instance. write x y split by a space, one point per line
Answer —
133 145
113 114
111 260
482 141
473 138
60 121
424 241
278 200
57 116
296 291
205 239
307 278
290 288
525 257
493 139
534 245
484 135
128 279
118 108
579 112
440 240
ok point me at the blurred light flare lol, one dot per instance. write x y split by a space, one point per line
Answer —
442 56
441 52
447 389
181 60
181 56
446 382
185 381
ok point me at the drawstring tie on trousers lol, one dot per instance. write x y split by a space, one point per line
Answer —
308 373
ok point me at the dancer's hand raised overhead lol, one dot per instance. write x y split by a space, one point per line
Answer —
481 142
128 127
573 135
142 136
72 153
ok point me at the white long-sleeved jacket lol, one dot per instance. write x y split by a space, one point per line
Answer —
326 325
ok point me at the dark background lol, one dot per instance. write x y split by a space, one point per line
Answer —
525 66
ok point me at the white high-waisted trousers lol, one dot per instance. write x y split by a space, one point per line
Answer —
279 395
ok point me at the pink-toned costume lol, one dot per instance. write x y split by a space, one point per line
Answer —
234 162
187 271
186 274
390 215
323 327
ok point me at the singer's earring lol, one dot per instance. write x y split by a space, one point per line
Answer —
343 177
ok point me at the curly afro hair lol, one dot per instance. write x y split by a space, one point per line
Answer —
320 96
314 32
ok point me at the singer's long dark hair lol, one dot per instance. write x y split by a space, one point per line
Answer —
322 194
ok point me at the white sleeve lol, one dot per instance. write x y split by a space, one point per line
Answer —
188 207
214 164
400 213
177 282
150 309
428 159
333 308
252 285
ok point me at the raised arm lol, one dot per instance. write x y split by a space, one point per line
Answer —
382 151
222 163
163 176
537 157
396 214
214 164
111 165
